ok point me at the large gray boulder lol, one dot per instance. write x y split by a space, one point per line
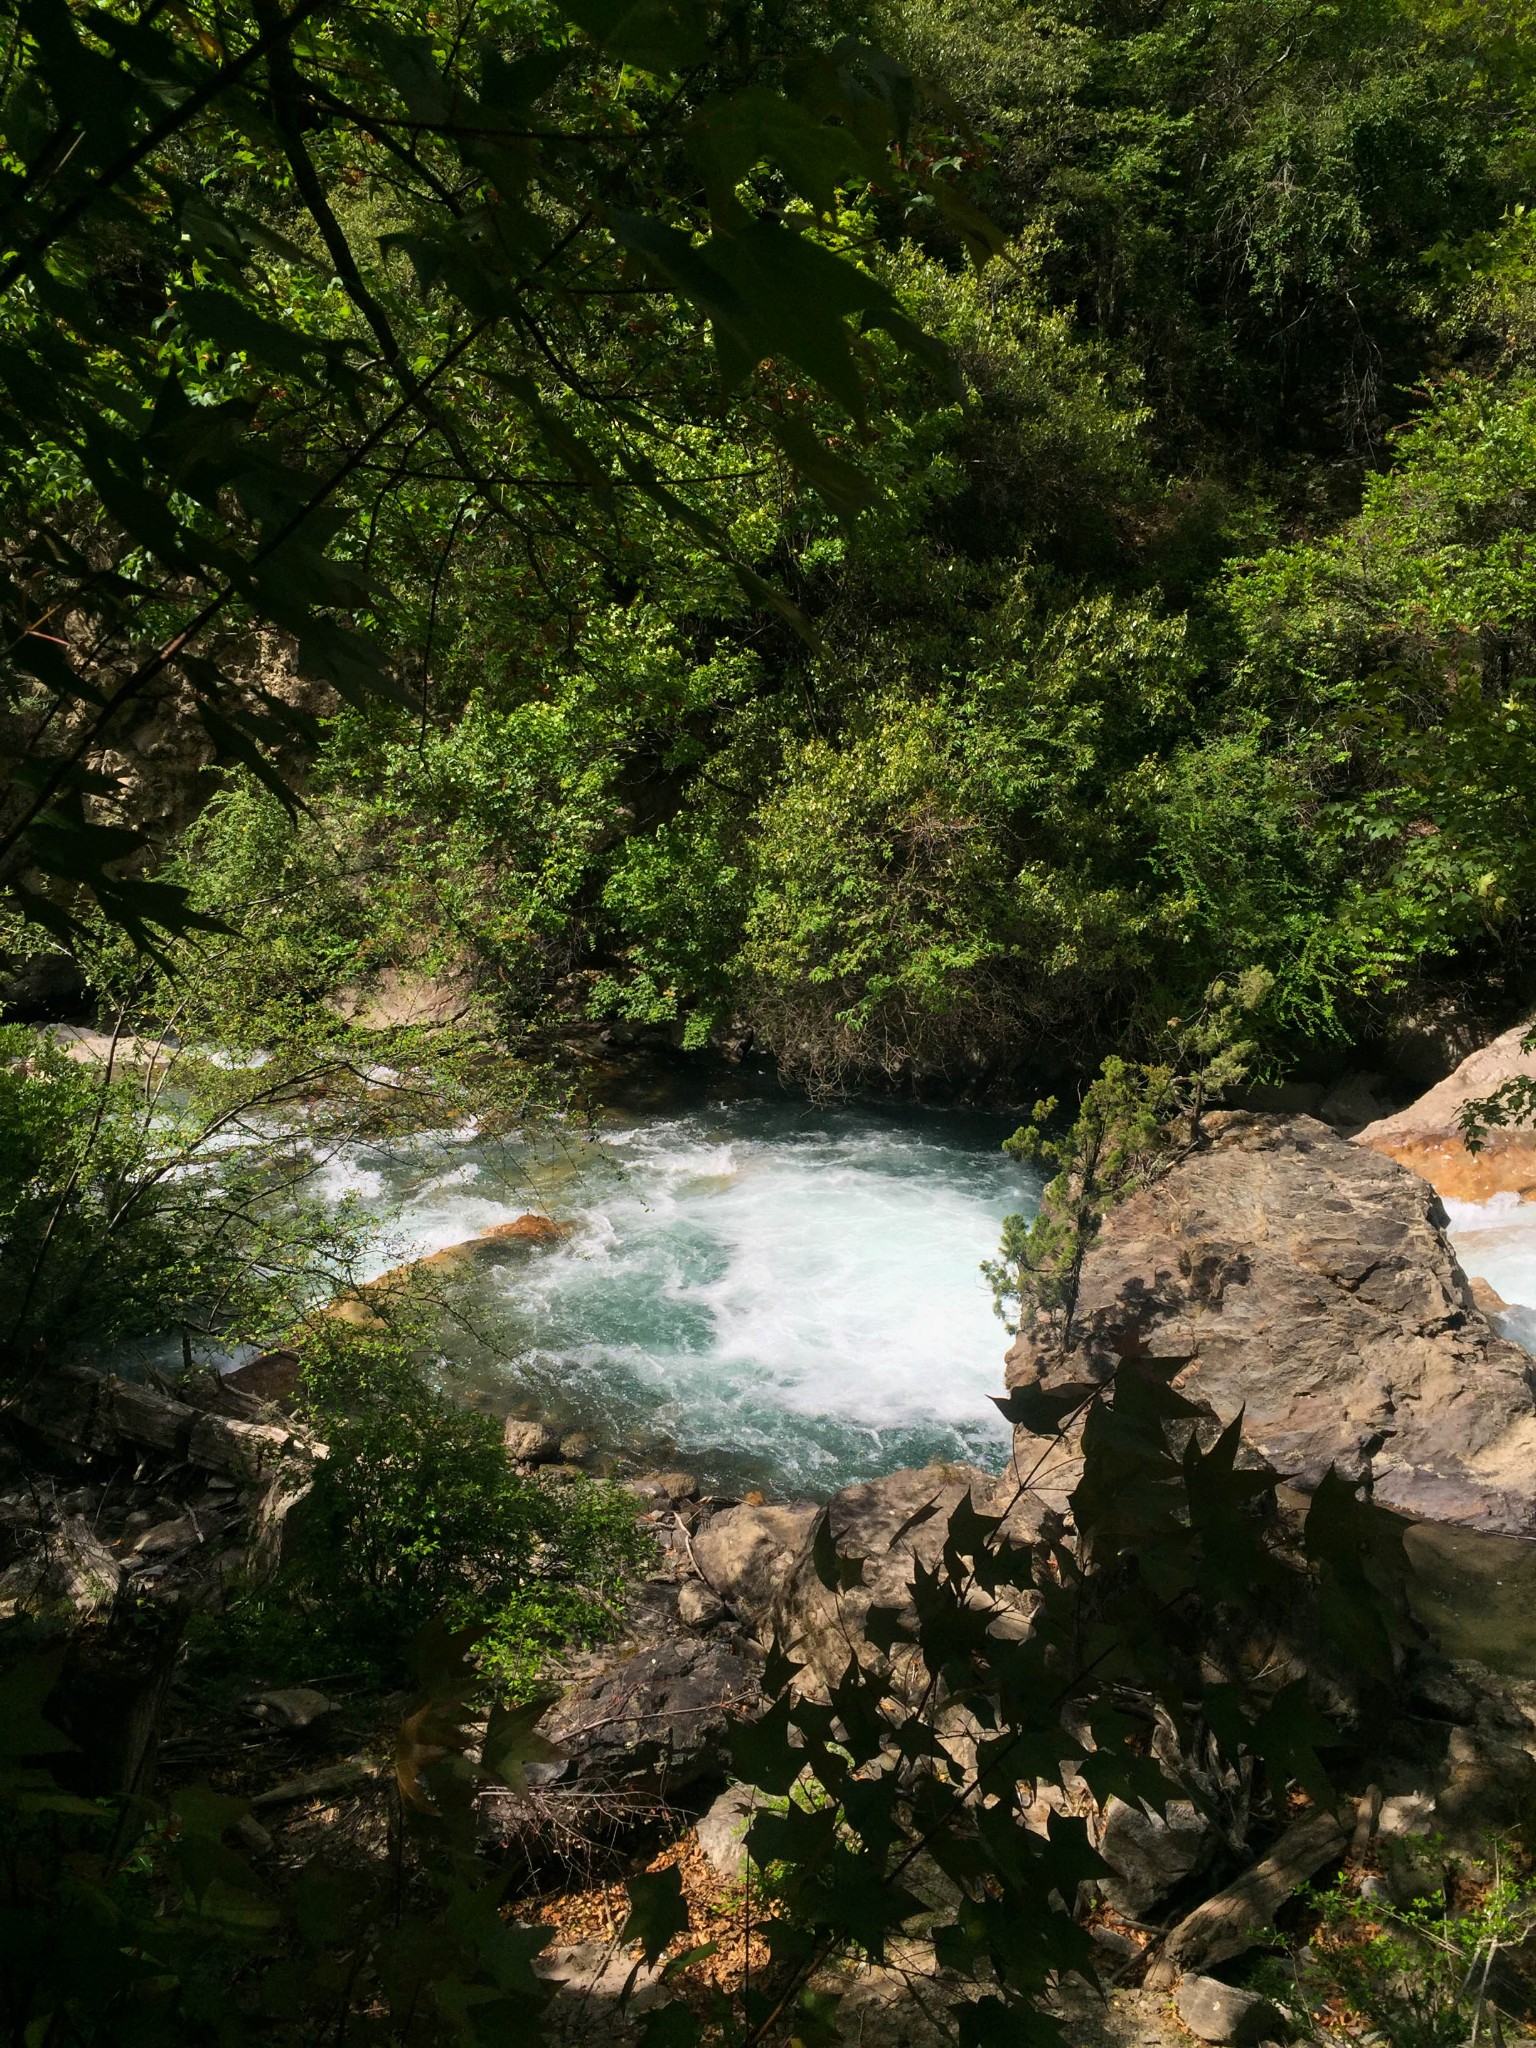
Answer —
743 1555
1310 1282
1149 1854
884 1529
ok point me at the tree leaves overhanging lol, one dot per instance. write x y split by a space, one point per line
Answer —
260 267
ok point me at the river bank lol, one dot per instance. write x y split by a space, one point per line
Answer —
773 1265
779 1294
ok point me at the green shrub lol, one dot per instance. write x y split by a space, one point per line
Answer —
1424 1959
416 1515
132 1208
1133 1121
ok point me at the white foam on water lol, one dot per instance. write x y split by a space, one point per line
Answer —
342 1174
1496 1241
433 1226
812 1295
797 1287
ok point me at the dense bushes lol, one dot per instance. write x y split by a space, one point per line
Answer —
416 1515
1248 197
1091 676
1117 684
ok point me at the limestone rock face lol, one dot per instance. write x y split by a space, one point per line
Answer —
1150 1853
697 1607
759 1563
722 1831
274 1376
293 1706
1310 1281
1427 1137
400 998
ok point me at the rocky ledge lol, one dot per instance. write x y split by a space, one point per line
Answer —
1309 1282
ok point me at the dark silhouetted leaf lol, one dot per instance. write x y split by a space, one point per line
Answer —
658 1912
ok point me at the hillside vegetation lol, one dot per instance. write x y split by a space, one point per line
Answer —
1134 592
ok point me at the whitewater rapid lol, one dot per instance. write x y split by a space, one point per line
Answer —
1496 1241
770 1293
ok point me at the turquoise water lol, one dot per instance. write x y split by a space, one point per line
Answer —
770 1293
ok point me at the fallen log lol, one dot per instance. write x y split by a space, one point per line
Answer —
343 1777
1232 1920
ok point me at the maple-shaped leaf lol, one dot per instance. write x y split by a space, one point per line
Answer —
512 1740
658 1912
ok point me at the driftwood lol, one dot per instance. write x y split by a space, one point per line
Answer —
1232 1920
343 1777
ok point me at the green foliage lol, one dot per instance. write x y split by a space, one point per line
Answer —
512 432
633 793
137 1920
236 297
1387 673
1246 195
1402 1958
1133 1121
131 1209
1042 764
1036 783
416 1514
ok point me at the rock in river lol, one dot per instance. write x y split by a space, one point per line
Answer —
1310 1283
530 1443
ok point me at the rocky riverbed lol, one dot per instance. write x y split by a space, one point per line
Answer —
1307 1285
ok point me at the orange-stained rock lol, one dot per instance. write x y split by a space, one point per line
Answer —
529 1229
348 1308
1506 1165
532 1229
1426 1136
1487 1297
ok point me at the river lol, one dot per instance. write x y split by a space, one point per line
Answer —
771 1293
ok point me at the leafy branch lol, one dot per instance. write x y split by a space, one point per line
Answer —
1134 1121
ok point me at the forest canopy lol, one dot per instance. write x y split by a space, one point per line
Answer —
910 535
